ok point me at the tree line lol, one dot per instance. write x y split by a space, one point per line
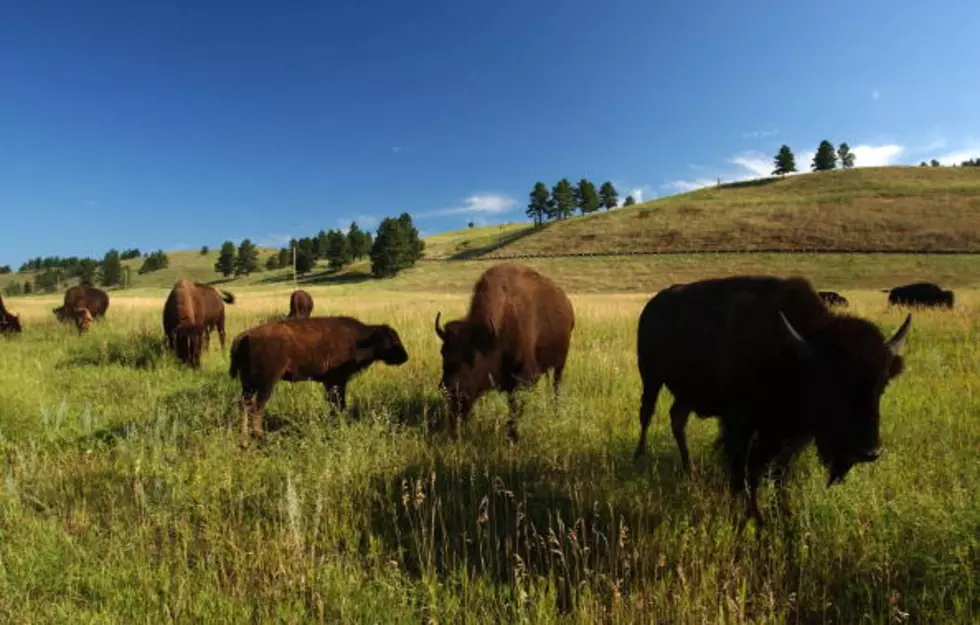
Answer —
563 199
972 162
52 271
826 158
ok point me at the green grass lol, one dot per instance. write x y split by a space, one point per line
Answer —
127 499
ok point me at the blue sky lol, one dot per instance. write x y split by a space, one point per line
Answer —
176 124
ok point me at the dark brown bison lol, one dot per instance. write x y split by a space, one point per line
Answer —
778 368
191 311
300 305
329 350
9 322
96 301
832 298
83 319
519 326
924 294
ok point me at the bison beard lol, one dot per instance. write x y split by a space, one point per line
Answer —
775 365
518 327
329 350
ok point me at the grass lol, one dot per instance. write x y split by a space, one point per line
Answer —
868 209
127 499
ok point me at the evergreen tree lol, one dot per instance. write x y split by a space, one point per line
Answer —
247 261
562 199
5 270
396 247
934 163
285 257
305 262
204 250
111 269
272 263
923 164
629 201
338 253
608 197
826 158
539 208
155 261
358 242
586 198
322 244
225 265
28 287
785 162
845 155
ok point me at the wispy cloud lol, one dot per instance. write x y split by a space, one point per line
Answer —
756 163
643 193
684 186
760 134
364 222
876 155
875 95
957 157
482 203
396 149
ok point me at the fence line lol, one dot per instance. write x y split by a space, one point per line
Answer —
824 251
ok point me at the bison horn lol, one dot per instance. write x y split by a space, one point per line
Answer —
799 343
896 342
439 331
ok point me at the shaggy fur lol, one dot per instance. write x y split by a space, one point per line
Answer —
96 301
300 305
191 311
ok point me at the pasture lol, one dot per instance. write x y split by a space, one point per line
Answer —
126 497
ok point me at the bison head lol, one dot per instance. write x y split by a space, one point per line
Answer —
385 345
467 363
62 314
846 366
9 322
83 319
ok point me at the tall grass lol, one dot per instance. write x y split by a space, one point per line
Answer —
127 499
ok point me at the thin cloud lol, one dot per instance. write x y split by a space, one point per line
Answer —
684 186
757 163
643 193
396 149
760 134
957 157
483 203
876 155
875 95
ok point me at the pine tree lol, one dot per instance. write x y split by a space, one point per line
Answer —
586 198
111 269
785 162
629 201
225 265
358 242
338 252
272 263
608 197
321 244
396 247
305 262
562 199
845 155
247 261
539 207
826 158
204 250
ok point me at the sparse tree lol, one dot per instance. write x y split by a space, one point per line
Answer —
155 261
358 242
826 157
111 269
539 207
934 163
322 245
396 247
338 253
205 250
247 261
846 156
562 199
305 262
923 164
785 161
608 197
629 201
586 198
14 288
225 265
470 225
28 287
272 263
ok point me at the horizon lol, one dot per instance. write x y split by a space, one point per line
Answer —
158 127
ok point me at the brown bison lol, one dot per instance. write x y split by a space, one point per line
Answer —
300 305
83 319
832 298
191 311
9 322
519 326
82 296
778 368
924 294
329 350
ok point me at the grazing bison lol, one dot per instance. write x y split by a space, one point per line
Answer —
776 365
300 305
519 326
83 319
920 294
329 350
82 296
189 314
9 322
832 298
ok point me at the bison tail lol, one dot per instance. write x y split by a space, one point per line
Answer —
228 297
239 353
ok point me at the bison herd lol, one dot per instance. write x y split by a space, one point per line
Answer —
769 357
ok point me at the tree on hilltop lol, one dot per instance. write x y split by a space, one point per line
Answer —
846 156
539 208
562 199
225 265
586 198
396 247
338 252
358 242
111 269
629 201
247 261
608 197
785 162
826 157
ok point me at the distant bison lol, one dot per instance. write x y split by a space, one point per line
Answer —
519 326
300 305
9 322
920 294
329 350
189 314
776 365
832 298
96 301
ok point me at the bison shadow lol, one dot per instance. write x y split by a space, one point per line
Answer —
145 350
499 243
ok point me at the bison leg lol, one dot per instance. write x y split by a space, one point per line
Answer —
679 414
759 457
648 405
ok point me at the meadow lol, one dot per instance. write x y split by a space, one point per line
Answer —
126 497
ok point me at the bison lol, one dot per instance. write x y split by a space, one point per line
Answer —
778 368
329 350
96 301
300 305
83 319
924 294
191 311
9 322
832 298
518 327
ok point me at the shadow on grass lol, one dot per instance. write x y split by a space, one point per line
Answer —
499 243
144 350
746 184
325 277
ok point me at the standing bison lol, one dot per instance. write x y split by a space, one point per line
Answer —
832 298
191 311
920 294
329 350
9 322
96 301
300 305
518 327
777 366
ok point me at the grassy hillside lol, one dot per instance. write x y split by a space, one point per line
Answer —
868 209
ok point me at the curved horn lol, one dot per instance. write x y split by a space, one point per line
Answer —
439 331
897 341
799 343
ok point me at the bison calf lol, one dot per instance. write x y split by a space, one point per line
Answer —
329 350
300 305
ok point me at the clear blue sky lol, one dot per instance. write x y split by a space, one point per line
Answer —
177 124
